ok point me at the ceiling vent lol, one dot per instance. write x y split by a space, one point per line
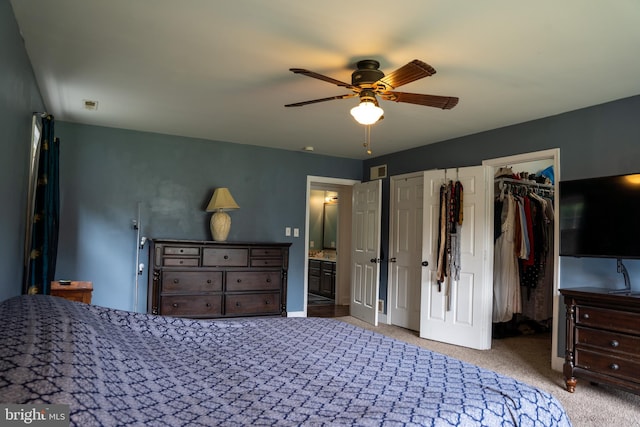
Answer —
378 172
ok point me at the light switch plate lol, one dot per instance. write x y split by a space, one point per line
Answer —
287 231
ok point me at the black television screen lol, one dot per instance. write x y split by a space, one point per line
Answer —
600 217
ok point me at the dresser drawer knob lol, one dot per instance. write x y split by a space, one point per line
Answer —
237 304
614 343
268 279
175 305
209 281
208 305
176 281
226 257
614 366
239 280
585 316
181 262
267 302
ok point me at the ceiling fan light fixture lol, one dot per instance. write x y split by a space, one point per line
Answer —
367 113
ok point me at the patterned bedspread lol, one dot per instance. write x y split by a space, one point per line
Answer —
121 368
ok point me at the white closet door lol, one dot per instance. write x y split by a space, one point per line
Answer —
464 316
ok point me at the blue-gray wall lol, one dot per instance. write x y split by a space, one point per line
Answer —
107 173
19 98
596 141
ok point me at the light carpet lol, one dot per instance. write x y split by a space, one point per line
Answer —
528 359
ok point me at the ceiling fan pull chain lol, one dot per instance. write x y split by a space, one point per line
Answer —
367 138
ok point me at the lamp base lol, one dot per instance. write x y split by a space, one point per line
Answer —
220 226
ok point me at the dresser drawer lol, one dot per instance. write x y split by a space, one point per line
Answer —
215 257
173 250
608 341
266 252
266 262
191 281
177 262
191 305
250 304
612 320
253 280
608 364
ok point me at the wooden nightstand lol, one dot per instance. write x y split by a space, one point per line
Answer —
76 291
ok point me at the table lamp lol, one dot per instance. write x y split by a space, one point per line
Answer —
220 202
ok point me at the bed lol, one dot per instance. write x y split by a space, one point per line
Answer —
115 367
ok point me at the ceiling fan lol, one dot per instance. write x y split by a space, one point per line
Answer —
368 81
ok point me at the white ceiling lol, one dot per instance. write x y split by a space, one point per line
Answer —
219 70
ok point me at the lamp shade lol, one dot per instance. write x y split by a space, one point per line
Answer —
221 201
367 113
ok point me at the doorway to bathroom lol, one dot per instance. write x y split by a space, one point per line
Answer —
328 243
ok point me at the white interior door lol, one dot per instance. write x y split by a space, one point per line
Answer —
406 251
464 317
365 247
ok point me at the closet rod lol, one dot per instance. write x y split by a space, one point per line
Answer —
524 182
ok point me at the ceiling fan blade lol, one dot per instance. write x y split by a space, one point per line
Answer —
444 102
314 101
323 78
411 72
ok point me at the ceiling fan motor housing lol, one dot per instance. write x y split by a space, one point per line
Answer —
367 73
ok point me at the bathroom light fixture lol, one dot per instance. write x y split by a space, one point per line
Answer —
220 202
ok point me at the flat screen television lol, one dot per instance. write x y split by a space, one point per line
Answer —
600 217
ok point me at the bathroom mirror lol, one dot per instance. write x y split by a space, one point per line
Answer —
330 226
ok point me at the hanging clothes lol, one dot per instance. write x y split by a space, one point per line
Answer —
506 284
523 251
442 237
538 278
455 219
449 222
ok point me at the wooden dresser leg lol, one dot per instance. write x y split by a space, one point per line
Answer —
571 384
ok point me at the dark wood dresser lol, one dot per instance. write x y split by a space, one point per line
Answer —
203 279
603 338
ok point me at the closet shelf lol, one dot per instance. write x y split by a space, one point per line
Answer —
524 182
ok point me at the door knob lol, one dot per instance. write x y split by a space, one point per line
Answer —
425 263
375 260
392 259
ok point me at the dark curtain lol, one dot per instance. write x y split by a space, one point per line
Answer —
44 233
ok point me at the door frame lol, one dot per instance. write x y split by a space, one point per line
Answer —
343 264
554 155
387 317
